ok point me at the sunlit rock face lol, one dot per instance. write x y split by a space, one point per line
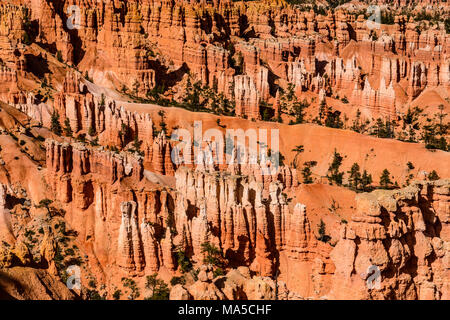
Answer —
92 92
239 49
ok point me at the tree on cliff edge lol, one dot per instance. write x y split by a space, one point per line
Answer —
385 180
322 232
307 173
55 126
354 179
333 170
159 289
366 181
67 129
298 149
213 256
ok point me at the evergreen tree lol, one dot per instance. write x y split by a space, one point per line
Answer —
102 100
55 126
131 284
266 115
356 126
355 176
441 116
298 108
91 131
162 124
383 129
137 143
59 56
298 149
213 256
67 129
410 176
333 171
385 180
389 128
159 289
307 173
431 140
81 137
191 99
333 120
322 111
136 86
45 203
433 176
290 94
184 262
411 134
447 25
366 181
322 232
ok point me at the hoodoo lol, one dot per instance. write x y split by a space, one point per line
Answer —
224 150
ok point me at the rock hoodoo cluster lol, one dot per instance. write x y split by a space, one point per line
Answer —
92 94
393 230
126 45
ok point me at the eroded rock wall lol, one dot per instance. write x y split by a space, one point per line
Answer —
239 49
404 233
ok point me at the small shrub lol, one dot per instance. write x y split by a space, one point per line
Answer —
59 56
184 262
218 272
92 284
131 284
55 126
94 295
117 294
433 176
177 280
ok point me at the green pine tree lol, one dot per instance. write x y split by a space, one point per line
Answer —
298 149
322 232
55 125
385 180
433 176
333 171
307 173
354 179
366 181
67 129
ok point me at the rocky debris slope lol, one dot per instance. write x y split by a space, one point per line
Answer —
237 284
